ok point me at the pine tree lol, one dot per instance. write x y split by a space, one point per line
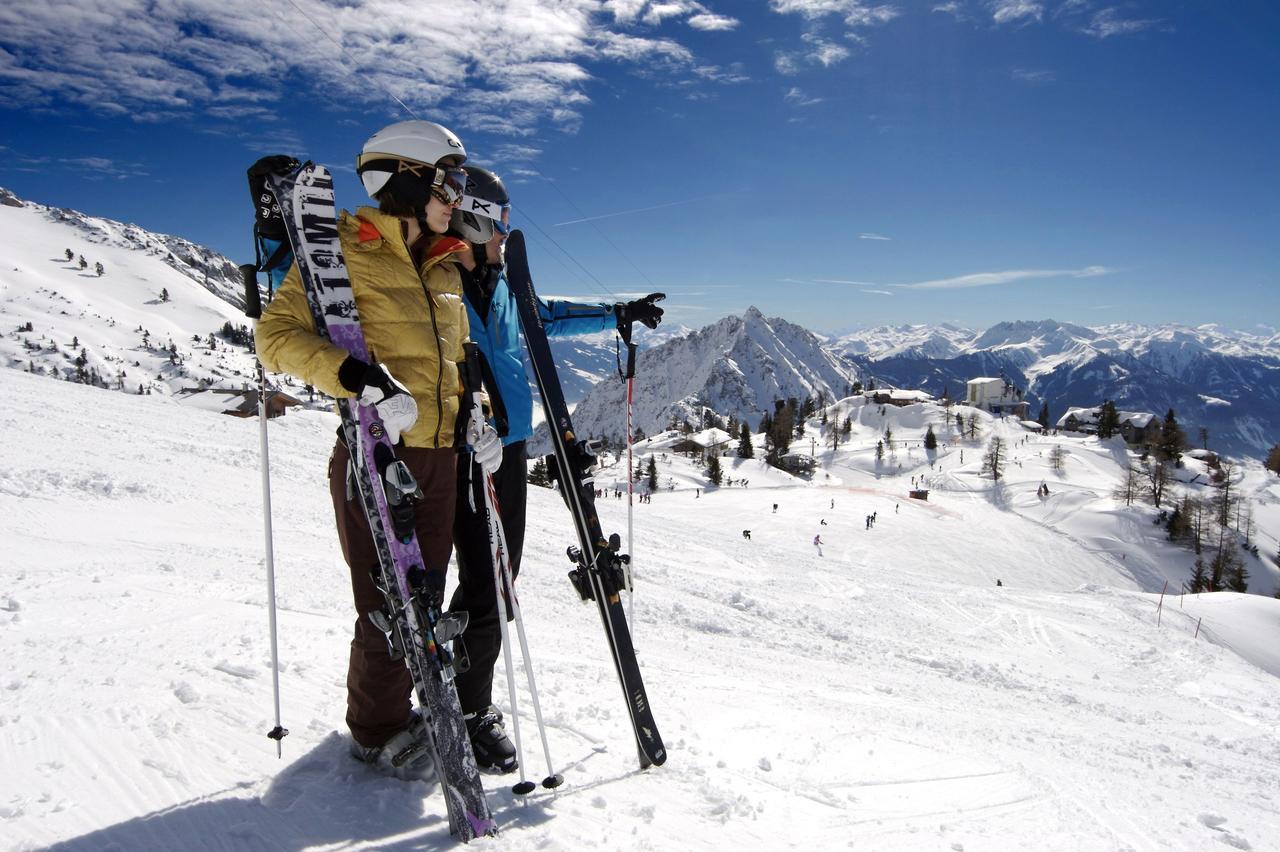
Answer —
1108 420
1199 577
1043 419
930 439
1172 439
164 294
714 471
1273 460
1057 458
538 473
745 449
653 474
879 452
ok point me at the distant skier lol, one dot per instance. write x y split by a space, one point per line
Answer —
817 542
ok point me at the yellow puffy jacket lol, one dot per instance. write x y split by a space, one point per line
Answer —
414 322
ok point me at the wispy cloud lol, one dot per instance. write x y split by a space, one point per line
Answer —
1107 23
871 236
711 22
818 49
1033 75
856 13
90 168
501 66
1008 276
799 98
1015 11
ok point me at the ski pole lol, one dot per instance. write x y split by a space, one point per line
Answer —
505 585
253 310
630 376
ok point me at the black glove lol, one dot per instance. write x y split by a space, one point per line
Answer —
645 311
354 374
373 385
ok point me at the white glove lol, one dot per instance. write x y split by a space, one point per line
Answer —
396 406
486 446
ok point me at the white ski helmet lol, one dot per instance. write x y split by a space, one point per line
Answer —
418 142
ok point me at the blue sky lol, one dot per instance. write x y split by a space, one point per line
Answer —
835 162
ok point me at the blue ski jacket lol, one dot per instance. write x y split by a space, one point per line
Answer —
495 328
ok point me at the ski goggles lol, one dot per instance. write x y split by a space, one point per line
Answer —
447 183
499 214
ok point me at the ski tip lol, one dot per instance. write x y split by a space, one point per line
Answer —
524 788
553 781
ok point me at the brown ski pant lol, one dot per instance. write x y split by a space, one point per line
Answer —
379 688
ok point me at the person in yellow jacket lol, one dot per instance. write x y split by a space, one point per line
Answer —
405 276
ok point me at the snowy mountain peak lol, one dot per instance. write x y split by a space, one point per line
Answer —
737 366
1050 333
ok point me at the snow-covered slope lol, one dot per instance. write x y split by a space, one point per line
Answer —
884 694
120 325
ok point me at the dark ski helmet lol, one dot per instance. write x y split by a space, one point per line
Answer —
485 205
413 160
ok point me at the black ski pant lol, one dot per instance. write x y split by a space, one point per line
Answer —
378 687
476 592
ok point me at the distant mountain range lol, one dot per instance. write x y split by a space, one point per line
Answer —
1223 380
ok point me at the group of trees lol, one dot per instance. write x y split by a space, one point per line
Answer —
83 264
1213 527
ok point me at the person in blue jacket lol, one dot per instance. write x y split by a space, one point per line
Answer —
483 220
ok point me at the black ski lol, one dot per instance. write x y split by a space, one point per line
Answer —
598 574
412 618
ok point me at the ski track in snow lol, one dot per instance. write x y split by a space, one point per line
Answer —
884 696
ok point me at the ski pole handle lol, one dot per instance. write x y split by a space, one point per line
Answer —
252 297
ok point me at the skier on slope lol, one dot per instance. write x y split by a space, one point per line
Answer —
407 280
483 220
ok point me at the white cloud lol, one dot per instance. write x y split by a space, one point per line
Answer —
711 22
1008 276
1006 11
503 66
951 8
1033 75
1107 23
870 236
856 13
799 98
732 74
823 52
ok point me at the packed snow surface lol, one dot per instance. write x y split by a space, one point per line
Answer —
883 693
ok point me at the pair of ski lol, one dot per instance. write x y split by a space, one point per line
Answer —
386 490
